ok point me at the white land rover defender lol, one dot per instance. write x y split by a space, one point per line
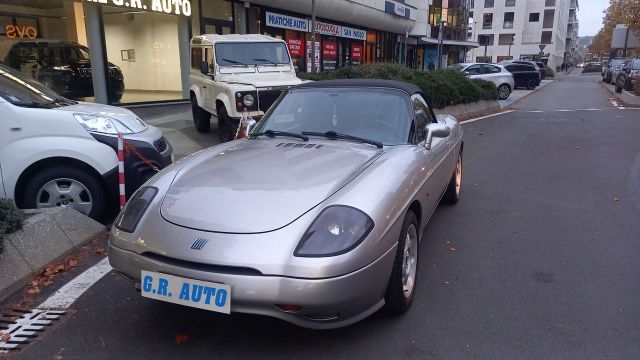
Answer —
231 73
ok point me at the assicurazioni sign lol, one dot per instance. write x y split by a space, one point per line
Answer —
177 7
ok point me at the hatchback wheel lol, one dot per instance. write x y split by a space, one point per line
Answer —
65 186
402 283
532 84
504 91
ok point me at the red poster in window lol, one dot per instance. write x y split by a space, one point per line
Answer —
296 47
356 52
329 50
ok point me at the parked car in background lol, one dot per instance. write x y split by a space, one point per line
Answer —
525 75
497 74
628 76
62 66
56 152
536 64
233 73
609 68
315 219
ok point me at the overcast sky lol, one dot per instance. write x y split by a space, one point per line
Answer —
590 16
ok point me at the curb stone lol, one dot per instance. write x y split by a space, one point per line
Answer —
47 235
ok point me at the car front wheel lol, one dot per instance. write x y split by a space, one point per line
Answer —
65 186
504 91
402 283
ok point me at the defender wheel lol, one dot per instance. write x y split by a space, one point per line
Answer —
201 117
452 194
402 283
65 186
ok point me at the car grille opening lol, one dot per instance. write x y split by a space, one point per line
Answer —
161 145
266 98
191 265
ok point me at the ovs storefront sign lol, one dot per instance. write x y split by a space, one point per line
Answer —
178 7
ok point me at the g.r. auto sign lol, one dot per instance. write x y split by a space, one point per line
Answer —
178 7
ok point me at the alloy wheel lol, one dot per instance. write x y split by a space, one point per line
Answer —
458 175
503 91
410 261
65 192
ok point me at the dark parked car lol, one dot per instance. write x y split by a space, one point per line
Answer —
63 66
525 75
536 64
629 75
608 69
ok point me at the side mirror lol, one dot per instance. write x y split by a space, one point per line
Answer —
249 124
204 68
435 130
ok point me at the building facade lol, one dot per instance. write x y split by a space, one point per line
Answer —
542 30
132 51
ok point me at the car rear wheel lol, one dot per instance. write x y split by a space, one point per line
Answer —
532 84
452 194
201 117
504 91
402 283
65 186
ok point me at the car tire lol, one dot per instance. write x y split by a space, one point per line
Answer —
504 91
531 85
201 117
452 194
91 198
226 126
400 291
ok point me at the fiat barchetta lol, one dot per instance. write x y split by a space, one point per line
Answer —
314 218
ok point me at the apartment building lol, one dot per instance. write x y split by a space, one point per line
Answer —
545 30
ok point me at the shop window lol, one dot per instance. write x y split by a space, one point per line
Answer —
217 9
506 39
508 20
487 20
534 17
149 62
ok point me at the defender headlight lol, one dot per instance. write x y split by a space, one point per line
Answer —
129 217
248 100
337 230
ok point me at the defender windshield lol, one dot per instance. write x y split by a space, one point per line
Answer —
23 91
252 53
377 114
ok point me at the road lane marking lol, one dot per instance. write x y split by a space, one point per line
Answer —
485 117
71 291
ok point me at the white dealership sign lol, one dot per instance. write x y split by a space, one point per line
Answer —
177 7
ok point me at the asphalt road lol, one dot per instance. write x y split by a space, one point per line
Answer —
546 240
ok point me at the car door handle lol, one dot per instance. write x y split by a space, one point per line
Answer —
15 129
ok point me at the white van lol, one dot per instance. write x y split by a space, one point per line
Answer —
231 73
60 152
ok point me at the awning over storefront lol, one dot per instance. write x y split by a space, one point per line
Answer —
467 44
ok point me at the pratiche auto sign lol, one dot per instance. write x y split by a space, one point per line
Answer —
178 7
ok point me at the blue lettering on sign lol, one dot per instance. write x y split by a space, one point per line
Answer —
162 286
147 283
196 293
208 292
288 22
221 297
184 292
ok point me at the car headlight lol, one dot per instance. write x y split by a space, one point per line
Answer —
337 230
248 100
103 123
129 217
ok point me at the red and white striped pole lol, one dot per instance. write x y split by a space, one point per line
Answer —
123 199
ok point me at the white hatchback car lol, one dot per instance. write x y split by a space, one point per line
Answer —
59 152
497 74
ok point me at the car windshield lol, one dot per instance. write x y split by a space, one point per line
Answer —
635 65
23 91
252 53
377 114
615 63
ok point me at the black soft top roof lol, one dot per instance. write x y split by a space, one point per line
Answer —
379 83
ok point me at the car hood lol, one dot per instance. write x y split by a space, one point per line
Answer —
261 80
124 116
261 185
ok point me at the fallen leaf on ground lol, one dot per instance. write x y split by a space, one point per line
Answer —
33 290
180 338
72 263
5 337
452 248
446 282
99 251
578 147
615 199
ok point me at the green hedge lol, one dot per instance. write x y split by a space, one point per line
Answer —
442 87
549 72
11 219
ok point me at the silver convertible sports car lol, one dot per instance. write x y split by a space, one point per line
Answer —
315 218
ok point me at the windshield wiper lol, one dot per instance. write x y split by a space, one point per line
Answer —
265 60
274 133
234 62
334 136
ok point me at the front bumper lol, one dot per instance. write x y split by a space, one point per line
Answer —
326 302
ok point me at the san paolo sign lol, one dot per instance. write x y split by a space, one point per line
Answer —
177 7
